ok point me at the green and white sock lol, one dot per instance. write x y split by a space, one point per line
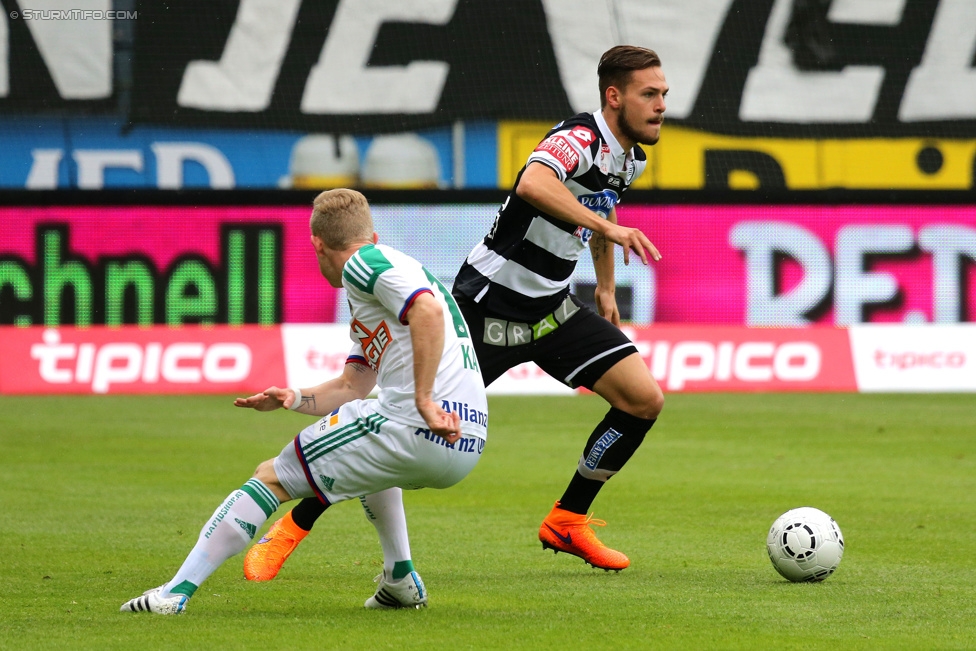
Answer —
229 530
385 511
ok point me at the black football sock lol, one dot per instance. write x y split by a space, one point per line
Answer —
307 512
610 446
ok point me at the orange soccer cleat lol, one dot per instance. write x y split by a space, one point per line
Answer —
265 558
565 531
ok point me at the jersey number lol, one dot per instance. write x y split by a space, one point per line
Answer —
459 326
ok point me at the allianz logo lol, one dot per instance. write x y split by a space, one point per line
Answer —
465 412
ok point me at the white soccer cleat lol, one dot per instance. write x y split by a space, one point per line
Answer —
408 592
151 601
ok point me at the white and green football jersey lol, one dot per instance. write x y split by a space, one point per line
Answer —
381 284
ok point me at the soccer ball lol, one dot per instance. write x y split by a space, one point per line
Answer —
805 544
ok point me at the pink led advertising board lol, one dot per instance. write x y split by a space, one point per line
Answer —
760 265
794 265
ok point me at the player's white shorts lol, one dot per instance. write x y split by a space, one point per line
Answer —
356 451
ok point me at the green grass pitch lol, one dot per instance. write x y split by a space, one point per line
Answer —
104 496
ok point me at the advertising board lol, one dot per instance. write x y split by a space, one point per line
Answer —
778 265
755 265
246 359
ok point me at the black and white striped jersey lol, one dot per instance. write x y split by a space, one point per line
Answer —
522 269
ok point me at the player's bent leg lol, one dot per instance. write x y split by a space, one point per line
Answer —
365 453
267 474
228 531
629 386
567 528
636 400
432 463
438 465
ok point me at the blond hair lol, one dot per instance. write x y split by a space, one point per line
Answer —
340 218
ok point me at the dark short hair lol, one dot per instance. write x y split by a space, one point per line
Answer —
618 62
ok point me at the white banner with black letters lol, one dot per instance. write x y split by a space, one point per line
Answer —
791 68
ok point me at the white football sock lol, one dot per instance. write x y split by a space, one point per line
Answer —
229 530
385 511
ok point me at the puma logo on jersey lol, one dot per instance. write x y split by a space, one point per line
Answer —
374 343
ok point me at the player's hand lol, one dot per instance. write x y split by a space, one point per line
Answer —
632 239
443 424
270 399
606 305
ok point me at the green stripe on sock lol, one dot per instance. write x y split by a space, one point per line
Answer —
264 491
401 569
260 493
187 588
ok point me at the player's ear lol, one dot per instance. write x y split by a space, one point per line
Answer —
318 244
376 237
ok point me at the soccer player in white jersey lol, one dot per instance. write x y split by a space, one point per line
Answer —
426 428
513 291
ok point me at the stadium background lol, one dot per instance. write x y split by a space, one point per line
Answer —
813 198
816 170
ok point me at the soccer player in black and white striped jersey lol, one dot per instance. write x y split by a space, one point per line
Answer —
513 291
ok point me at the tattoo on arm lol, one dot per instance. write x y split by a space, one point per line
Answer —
598 246
307 401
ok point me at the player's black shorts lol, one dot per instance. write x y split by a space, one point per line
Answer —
574 344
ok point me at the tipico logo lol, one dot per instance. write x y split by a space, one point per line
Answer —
128 362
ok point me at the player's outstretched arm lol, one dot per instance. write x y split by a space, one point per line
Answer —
541 187
426 320
356 381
